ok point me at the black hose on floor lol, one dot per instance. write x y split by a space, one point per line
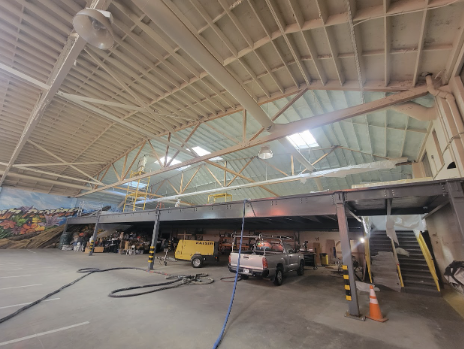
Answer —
198 279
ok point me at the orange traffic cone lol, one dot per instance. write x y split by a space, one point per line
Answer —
374 309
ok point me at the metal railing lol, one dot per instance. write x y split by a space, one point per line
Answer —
428 258
397 263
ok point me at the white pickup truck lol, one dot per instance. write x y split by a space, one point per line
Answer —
269 258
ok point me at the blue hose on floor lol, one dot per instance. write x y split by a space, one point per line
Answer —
219 339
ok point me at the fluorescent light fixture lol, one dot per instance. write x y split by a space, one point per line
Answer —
134 184
200 151
303 140
174 162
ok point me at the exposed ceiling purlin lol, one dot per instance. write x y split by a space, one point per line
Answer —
357 48
270 38
73 47
387 29
422 29
65 123
142 103
293 127
289 41
324 15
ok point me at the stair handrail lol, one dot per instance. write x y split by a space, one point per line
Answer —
398 269
428 258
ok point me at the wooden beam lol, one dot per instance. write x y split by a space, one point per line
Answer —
291 128
241 176
133 160
47 164
172 186
183 144
215 178
116 172
167 150
274 167
124 165
154 152
241 170
159 187
221 133
56 157
193 176
422 33
225 165
244 126
281 111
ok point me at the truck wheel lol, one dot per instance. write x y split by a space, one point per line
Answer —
300 270
279 277
197 262
244 277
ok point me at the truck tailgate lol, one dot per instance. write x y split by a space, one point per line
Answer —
247 260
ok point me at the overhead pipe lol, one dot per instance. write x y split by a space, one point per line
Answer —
416 111
165 19
455 123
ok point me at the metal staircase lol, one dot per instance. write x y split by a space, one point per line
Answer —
416 273
414 269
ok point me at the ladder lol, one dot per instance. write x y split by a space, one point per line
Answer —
137 193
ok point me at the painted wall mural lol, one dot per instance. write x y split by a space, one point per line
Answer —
24 212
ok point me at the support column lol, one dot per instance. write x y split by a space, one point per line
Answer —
94 236
456 197
348 272
154 239
63 235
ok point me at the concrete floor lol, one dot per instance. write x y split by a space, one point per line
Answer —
305 312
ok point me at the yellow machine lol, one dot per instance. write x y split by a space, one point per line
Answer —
197 252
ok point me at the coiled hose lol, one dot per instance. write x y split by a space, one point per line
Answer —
198 279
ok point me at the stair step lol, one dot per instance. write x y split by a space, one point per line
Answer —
422 290
416 276
416 273
425 283
406 264
409 259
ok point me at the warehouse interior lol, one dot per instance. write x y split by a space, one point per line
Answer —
223 173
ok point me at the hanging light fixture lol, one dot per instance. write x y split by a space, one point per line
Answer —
265 152
94 26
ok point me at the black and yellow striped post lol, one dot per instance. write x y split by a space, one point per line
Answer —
94 236
151 256
154 239
348 270
346 280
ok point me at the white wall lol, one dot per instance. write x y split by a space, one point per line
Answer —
438 169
